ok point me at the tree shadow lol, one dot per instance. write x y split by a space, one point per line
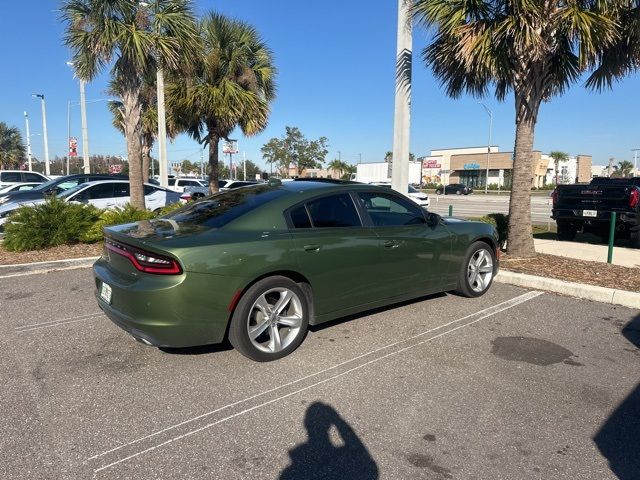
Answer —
619 437
322 458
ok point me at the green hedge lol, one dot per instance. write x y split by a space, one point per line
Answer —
501 222
57 222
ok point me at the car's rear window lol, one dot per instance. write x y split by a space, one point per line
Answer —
218 210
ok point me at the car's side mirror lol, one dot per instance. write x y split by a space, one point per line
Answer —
433 219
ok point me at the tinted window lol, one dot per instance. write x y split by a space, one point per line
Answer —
32 177
121 190
148 190
96 192
171 182
388 210
220 209
300 218
10 177
334 211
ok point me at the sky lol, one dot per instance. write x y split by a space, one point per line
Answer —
336 63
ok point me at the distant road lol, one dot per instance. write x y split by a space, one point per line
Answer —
478 205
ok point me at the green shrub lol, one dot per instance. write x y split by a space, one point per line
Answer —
501 222
116 216
49 224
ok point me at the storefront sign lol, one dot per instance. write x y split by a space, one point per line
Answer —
431 164
471 166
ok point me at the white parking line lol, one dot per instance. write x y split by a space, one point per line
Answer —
481 314
55 323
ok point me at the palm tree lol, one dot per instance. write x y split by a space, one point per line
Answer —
134 37
558 157
339 166
231 85
12 149
534 49
623 169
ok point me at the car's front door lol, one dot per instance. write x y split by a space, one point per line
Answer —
335 252
99 195
414 256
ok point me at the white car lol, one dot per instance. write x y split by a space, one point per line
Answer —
179 184
16 177
104 194
417 196
19 187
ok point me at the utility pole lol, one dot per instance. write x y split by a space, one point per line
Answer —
490 113
85 132
402 114
47 171
68 133
162 129
244 165
635 162
26 120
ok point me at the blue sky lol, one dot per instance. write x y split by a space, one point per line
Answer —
336 79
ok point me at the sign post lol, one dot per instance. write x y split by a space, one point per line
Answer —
230 146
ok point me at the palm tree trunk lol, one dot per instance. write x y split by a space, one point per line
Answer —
133 136
146 161
214 172
520 243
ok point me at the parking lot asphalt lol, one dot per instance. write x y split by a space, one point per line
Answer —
515 384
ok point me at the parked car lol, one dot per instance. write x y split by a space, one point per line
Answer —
414 194
103 194
455 188
18 187
588 208
54 187
179 184
194 193
264 262
15 177
233 184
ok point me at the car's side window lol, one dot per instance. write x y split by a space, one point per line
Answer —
10 177
148 190
389 210
102 190
32 177
334 211
121 190
300 218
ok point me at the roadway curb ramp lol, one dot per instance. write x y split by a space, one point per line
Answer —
578 290
45 267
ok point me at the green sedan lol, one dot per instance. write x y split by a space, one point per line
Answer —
258 265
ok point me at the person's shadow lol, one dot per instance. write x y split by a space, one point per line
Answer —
322 458
619 437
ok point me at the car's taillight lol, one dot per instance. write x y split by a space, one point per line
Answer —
144 261
634 198
186 197
554 196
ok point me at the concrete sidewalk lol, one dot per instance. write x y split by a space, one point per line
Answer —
626 257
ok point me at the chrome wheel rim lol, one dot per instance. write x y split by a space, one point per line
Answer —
480 270
274 320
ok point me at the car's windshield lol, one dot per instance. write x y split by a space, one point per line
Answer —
220 209
412 190
47 185
71 191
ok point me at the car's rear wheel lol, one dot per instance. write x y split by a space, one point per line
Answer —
439 191
271 319
477 272
635 237
196 195
458 192
566 231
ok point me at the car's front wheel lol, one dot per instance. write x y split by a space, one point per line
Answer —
477 272
270 320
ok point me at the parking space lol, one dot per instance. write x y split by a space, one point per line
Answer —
515 384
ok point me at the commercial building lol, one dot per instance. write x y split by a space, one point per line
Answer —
468 165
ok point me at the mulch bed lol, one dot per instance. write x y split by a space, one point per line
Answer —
572 270
63 252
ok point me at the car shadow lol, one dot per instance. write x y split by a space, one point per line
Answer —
333 450
366 313
199 350
619 437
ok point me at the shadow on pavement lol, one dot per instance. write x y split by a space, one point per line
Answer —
619 438
325 456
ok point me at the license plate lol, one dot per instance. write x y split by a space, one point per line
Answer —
589 213
105 293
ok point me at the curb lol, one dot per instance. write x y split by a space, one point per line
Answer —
7 271
578 290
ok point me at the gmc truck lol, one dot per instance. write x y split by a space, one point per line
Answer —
588 208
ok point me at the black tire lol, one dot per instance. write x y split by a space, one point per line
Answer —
438 191
466 287
566 231
634 238
197 195
248 314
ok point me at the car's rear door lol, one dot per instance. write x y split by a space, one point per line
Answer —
413 255
336 252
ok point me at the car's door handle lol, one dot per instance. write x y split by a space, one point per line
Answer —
311 248
391 244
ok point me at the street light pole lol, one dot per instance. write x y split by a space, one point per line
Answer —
486 183
635 161
85 133
402 114
26 119
44 132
